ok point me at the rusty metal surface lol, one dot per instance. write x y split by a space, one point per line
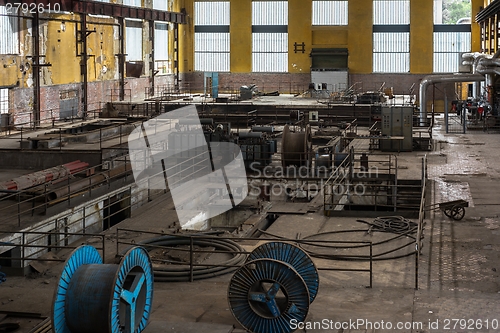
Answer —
111 9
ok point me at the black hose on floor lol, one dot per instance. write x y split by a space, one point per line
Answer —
398 225
181 272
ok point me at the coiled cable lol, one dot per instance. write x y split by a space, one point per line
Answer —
182 272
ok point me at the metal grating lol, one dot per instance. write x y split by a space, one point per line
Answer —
384 12
391 52
448 47
9 33
329 12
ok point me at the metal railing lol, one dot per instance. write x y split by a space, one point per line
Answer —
208 238
25 121
31 245
421 222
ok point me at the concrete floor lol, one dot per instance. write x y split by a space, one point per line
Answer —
458 272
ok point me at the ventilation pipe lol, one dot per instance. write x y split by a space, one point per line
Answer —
431 79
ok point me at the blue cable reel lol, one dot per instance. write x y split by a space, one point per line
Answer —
294 256
103 298
275 286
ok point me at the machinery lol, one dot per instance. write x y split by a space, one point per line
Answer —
258 146
296 147
276 285
397 121
96 297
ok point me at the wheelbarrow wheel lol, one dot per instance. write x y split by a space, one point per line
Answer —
457 212
447 212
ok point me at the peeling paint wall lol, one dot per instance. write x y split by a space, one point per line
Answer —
61 47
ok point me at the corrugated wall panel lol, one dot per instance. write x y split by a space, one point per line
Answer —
270 13
9 33
211 13
391 12
330 12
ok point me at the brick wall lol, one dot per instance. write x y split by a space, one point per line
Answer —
266 82
99 93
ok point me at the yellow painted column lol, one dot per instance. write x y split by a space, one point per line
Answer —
241 36
299 31
360 36
421 36
186 36
475 27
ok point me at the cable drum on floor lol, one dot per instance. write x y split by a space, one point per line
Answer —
181 272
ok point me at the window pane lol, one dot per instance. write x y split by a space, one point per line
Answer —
270 52
133 43
4 101
452 12
211 49
330 12
9 33
161 41
391 52
135 3
211 13
448 48
160 4
270 13
391 12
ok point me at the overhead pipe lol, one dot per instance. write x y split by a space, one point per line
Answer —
43 176
473 59
90 182
431 79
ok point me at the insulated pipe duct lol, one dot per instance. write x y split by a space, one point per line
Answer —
431 79
473 60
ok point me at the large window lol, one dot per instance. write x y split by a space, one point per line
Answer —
330 12
270 36
9 33
160 4
211 38
391 36
133 40
452 34
161 48
135 3
4 100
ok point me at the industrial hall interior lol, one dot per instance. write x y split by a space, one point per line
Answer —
264 166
